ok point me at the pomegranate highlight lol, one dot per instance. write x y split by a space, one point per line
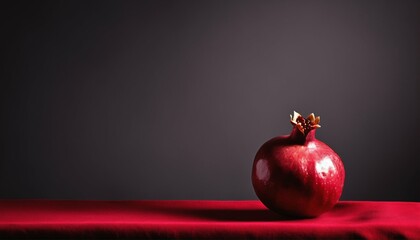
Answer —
298 175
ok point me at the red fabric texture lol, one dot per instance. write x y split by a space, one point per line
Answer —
195 219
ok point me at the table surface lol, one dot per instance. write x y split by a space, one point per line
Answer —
202 219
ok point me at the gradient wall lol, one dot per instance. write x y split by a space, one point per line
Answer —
172 99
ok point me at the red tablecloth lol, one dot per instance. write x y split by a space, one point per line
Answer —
202 219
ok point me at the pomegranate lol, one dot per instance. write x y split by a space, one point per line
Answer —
297 174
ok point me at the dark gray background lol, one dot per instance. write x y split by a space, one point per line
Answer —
171 99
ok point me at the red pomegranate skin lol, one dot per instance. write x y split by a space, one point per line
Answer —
298 175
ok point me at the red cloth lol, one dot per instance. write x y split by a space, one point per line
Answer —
202 219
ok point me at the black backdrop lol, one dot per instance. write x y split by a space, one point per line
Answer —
171 99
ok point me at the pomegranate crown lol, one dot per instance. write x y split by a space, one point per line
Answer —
305 125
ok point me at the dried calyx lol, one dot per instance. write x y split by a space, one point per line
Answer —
305 125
